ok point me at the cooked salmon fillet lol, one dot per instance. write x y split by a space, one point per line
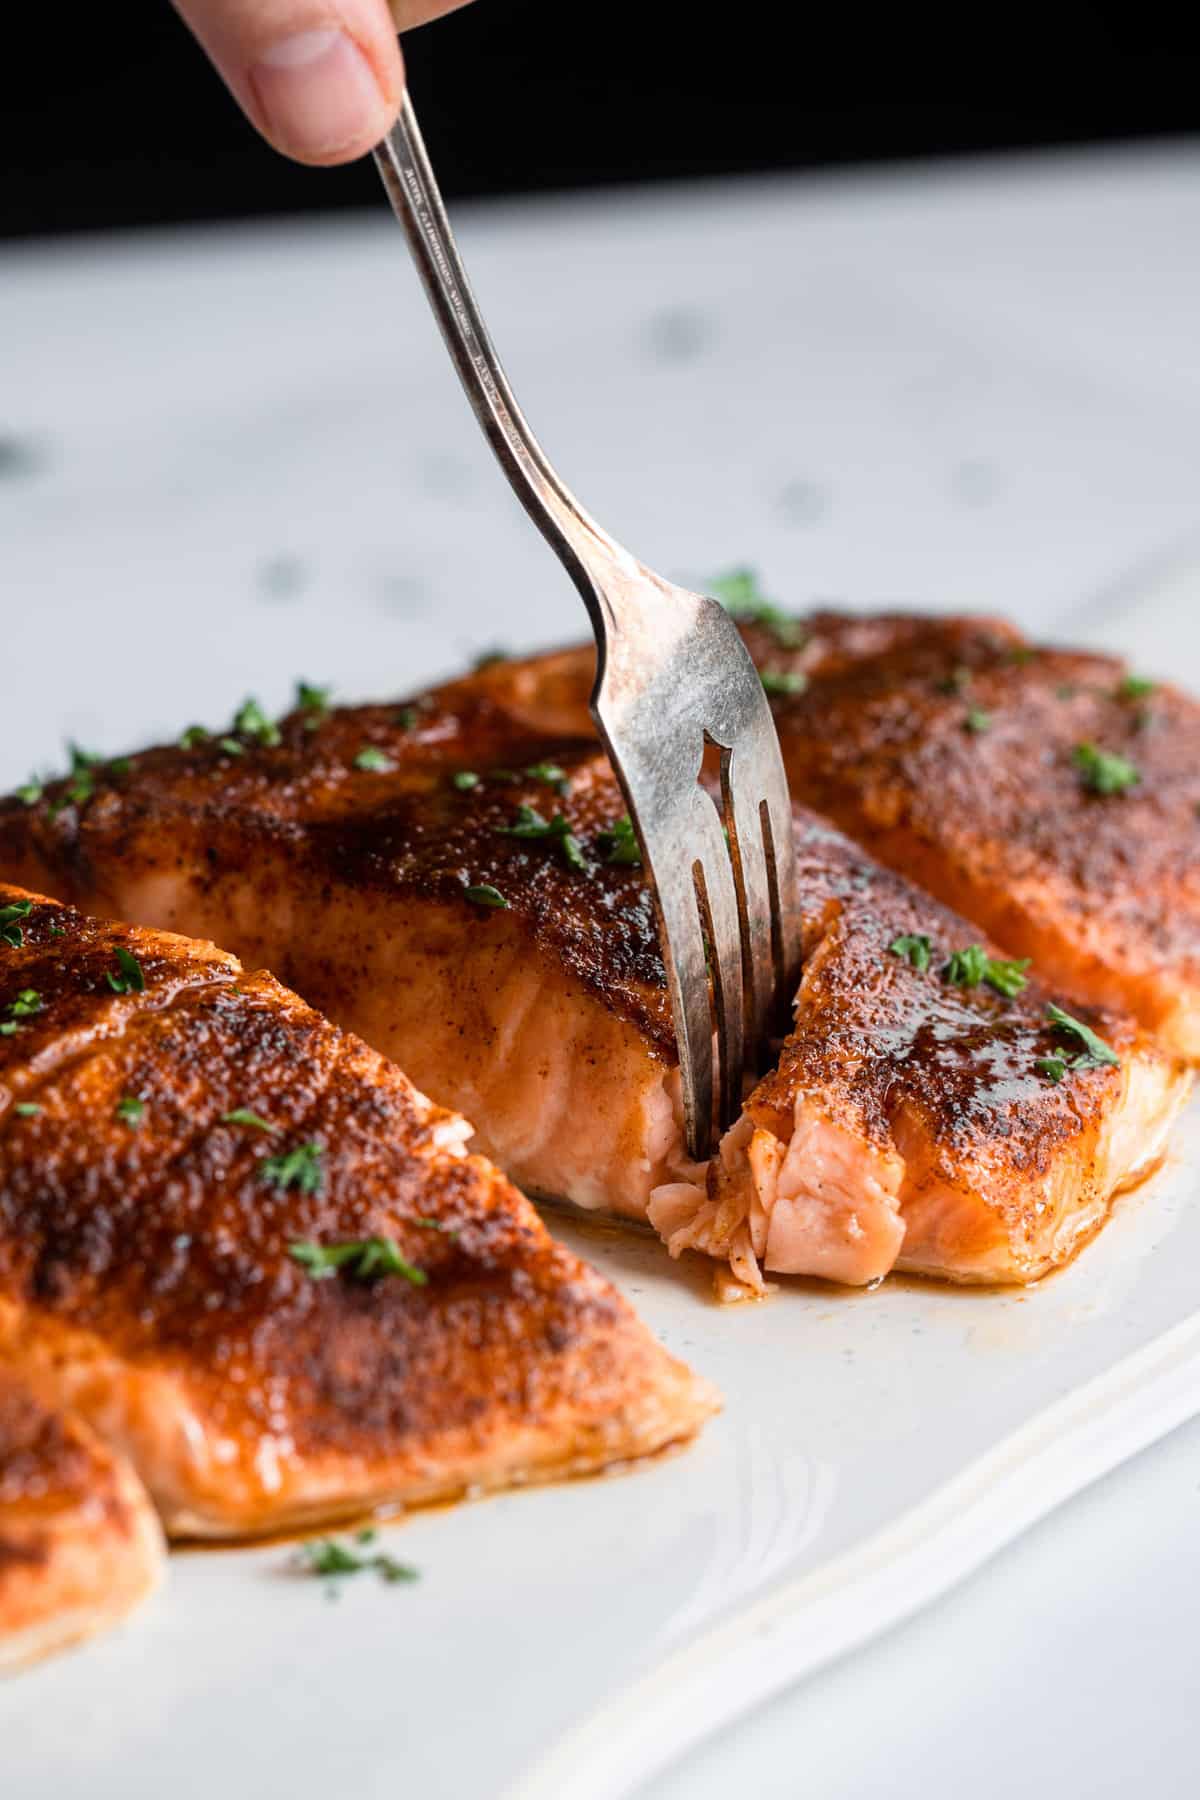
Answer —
927 1111
1049 794
80 1543
364 860
261 1265
517 977
1053 795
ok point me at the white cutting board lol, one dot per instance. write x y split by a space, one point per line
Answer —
248 462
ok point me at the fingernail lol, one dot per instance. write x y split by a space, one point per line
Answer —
316 91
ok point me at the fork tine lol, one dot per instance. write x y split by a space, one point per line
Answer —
719 908
687 980
758 817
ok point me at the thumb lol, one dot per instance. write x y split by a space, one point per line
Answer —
321 79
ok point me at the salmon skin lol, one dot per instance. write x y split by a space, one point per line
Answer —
80 1543
262 1266
462 895
930 1110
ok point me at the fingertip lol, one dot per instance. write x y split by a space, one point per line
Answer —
324 96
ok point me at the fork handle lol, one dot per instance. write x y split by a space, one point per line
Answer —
408 177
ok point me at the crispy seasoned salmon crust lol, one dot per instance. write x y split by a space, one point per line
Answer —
1049 794
920 1116
80 1543
170 1130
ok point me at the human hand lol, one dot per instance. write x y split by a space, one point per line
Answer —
321 79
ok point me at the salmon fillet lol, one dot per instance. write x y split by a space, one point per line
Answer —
80 1543
356 859
543 1016
1048 794
261 1265
927 1111
1052 795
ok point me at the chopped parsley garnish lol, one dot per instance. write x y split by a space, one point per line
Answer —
193 737
81 780
1020 654
487 659
739 593
550 773
406 718
120 765
373 761
30 794
231 747
1054 1068
465 780
328 1558
251 721
956 682
977 721
298 1168
915 951
131 1110
485 895
10 931
529 823
1095 1053
783 681
27 1109
57 930
1103 771
313 702
364 1259
619 843
1135 687
970 966
130 979
27 1002
242 1115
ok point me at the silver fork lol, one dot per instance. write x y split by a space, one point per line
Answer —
673 677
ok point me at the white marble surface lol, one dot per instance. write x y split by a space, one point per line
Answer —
248 461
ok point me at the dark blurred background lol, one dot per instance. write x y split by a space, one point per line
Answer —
534 94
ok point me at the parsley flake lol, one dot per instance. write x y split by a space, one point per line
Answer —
977 721
313 702
783 681
27 1002
485 895
406 718
1054 1068
131 1110
10 931
131 978
739 592
328 1558
231 747
1102 771
969 967
550 773
373 761
251 721
363 1259
30 794
464 780
915 951
27 1109
956 682
1095 1053
619 843
298 1168
487 659
193 737
1135 687
529 823
242 1115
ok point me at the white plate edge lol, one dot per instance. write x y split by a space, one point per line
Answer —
807 1623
